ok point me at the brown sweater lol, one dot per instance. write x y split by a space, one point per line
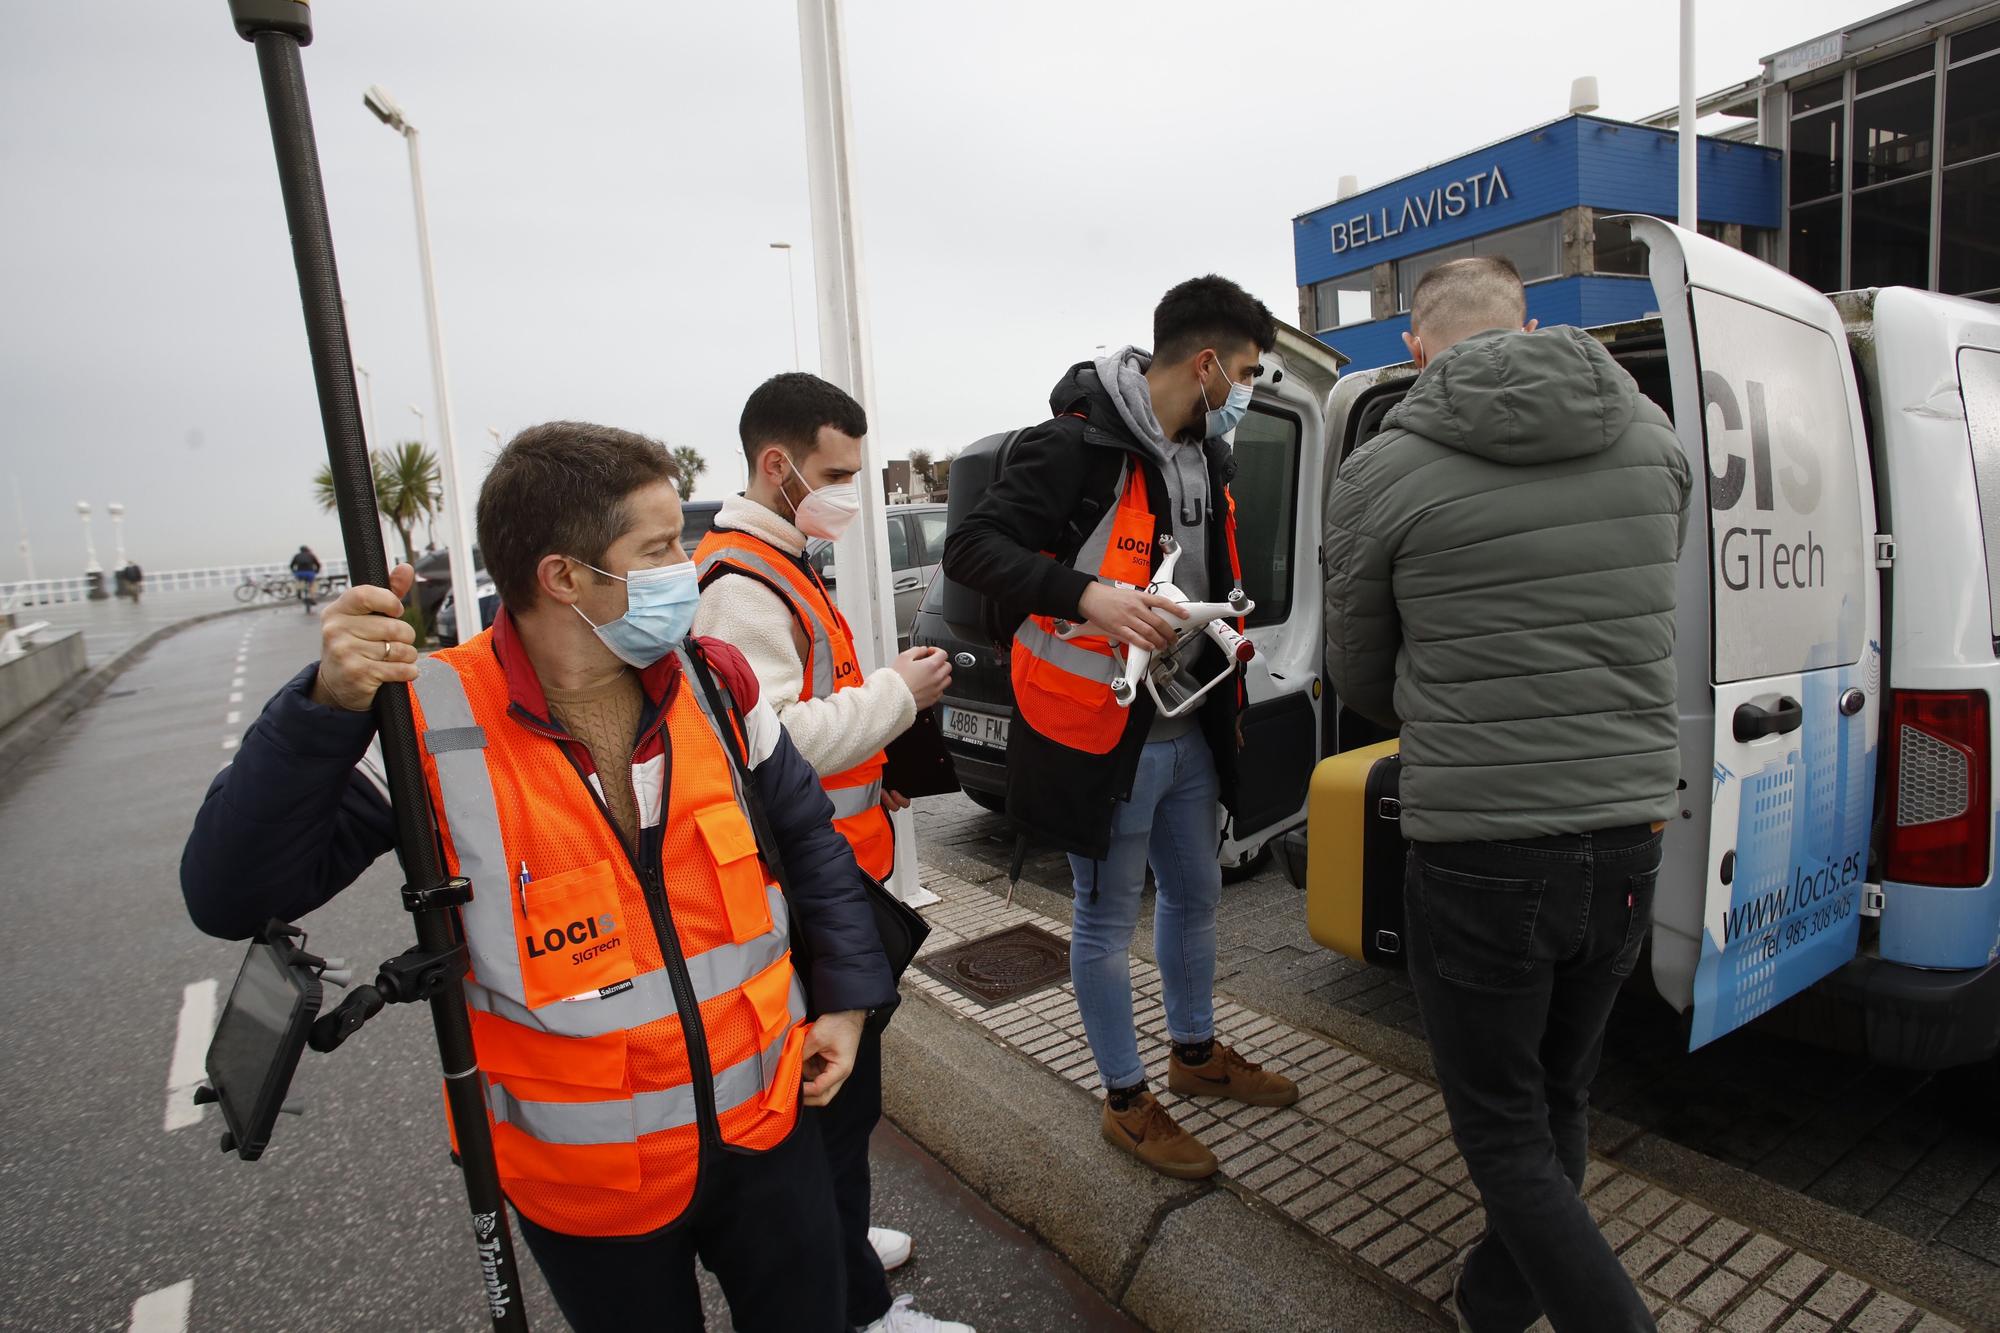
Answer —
605 717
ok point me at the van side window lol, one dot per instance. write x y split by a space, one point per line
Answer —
1979 384
1266 490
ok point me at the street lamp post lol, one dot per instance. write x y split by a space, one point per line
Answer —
368 402
21 517
418 413
464 587
117 512
93 572
494 431
792 294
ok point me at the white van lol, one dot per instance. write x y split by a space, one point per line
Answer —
1852 450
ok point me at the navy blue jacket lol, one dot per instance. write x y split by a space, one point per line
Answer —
297 818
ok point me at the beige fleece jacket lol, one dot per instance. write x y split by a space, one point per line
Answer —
833 734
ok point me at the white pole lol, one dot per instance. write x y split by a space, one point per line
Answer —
21 517
90 565
368 405
117 512
1689 143
464 587
792 296
864 591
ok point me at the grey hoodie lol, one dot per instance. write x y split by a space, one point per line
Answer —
1500 581
1123 375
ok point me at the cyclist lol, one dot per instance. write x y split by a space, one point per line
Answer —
305 568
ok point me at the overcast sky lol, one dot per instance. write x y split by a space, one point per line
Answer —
604 180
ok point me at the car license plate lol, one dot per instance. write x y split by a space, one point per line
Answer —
978 728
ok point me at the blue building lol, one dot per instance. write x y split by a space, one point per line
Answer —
1867 156
1544 199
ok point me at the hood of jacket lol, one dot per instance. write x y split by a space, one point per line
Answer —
1521 398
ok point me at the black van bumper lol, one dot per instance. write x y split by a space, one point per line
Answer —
1919 1019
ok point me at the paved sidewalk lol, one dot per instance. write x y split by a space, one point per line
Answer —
1365 1160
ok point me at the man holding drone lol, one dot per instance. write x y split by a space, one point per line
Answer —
1132 466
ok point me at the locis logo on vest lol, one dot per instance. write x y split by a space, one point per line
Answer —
576 932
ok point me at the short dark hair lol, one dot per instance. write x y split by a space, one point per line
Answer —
1481 290
789 409
1207 311
560 489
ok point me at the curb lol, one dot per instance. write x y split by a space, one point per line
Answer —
46 718
1178 1256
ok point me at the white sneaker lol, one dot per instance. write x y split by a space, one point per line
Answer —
904 1317
892 1247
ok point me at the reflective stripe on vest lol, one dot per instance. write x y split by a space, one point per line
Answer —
575 1124
818 632
1062 687
856 792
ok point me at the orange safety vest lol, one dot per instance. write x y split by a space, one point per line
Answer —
830 665
586 966
1062 687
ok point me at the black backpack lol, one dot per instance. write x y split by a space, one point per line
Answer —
973 472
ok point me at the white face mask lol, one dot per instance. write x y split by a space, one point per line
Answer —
828 511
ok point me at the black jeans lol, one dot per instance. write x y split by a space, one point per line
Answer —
1516 952
763 1224
845 1126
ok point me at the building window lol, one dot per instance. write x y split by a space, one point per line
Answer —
1615 251
1816 244
1815 151
1969 194
1892 132
1534 247
1892 235
1345 300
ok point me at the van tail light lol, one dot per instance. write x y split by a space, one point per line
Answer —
1940 811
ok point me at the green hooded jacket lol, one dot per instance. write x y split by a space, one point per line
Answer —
1500 584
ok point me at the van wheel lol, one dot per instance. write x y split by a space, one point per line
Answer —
1259 860
996 801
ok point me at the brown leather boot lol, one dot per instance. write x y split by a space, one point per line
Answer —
1146 1131
1227 1074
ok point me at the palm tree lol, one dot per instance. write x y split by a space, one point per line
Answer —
407 488
688 465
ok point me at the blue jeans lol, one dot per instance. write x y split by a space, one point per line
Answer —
1516 952
1170 819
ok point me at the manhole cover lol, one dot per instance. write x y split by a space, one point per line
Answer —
1001 967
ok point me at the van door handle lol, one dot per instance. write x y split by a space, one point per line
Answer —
906 585
1752 722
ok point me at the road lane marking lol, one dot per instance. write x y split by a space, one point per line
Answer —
233 718
185 1072
165 1310
230 742
236 696
236 684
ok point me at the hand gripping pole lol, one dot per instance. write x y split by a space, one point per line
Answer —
278 28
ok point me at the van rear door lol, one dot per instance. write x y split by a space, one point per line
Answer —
1779 646
1277 450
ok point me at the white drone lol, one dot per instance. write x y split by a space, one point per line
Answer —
1161 670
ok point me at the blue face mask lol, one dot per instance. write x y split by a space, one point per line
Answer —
1236 402
659 611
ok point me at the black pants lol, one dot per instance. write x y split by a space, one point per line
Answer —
845 1127
1517 951
764 1225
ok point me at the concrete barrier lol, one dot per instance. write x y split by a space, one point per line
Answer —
47 666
